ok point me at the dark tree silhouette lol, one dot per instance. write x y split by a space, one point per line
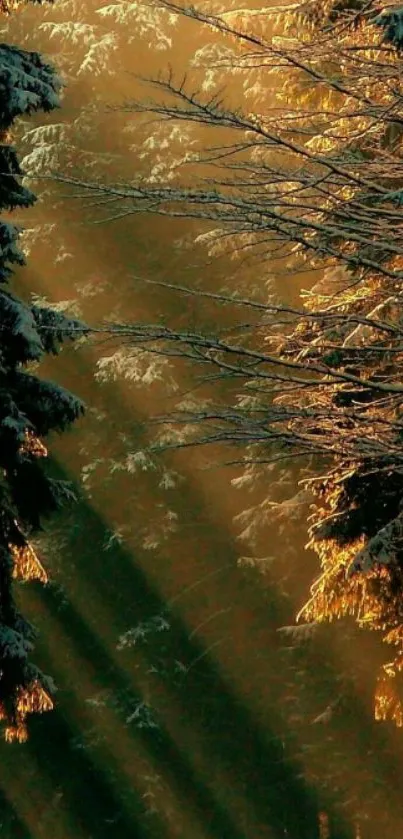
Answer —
29 407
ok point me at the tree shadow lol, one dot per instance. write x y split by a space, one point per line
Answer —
256 756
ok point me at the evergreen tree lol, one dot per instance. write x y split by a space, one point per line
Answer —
313 182
29 407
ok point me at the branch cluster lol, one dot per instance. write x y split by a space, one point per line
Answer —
313 181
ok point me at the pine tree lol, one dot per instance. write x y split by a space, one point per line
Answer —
29 407
313 182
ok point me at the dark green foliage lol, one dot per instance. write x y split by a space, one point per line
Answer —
12 193
27 84
24 343
392 24
323 14
348 396
9 250
367 502
29 406
54 328
45 404
34 494
343 9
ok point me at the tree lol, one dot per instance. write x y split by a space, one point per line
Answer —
313 183
30 407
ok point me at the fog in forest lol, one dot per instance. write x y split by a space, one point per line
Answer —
187 706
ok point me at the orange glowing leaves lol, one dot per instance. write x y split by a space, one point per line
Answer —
373 596
387 702
16 733
31 700
32 445
395 636
6 7
27 566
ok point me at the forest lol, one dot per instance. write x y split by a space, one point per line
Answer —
310 185
278 153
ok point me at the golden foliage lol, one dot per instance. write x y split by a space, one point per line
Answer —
336 100
387 702
27 565
373 597
16 733
33 445
7 7
327 164
31 700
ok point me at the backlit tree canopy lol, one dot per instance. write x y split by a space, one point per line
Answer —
308 178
